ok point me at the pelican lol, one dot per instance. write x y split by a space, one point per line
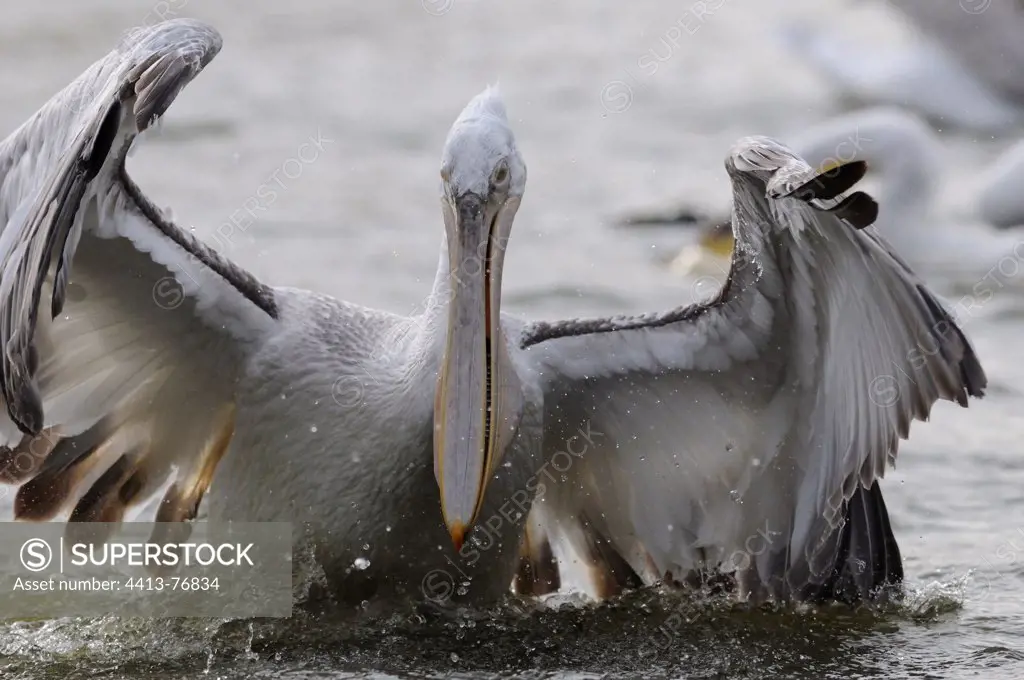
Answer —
981 35
999 200
905 157
927 76
654 445
961 73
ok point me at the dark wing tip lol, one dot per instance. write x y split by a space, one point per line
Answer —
20 394
858 210
103 142
856 562
956 349
24 406
831 183
969 377
972 376
828 184
866 565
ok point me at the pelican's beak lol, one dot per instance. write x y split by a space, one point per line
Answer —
717 241
830 165
467 407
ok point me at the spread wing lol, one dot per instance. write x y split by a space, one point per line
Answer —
747 435
123 336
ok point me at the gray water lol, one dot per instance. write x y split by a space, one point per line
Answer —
380 82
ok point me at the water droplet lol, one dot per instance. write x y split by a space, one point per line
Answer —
388 528
507 464
729 446
454 657
361 563
756 462
366 546
313 429
735 495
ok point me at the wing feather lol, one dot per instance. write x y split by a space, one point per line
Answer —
741 434
116 389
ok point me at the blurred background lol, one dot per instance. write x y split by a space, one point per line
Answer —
620 110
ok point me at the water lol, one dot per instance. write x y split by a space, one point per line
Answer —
379 85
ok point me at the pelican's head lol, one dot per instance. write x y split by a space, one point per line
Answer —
482 181
480 156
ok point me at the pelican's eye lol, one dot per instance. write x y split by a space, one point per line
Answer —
501 174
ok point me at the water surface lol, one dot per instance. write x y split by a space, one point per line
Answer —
602 132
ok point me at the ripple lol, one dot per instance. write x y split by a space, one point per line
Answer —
996 655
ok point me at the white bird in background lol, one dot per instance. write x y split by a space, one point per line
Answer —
982 36
966 70
769 412
904 155
1000 200
971 65
929 77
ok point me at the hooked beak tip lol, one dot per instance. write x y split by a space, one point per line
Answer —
458 534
